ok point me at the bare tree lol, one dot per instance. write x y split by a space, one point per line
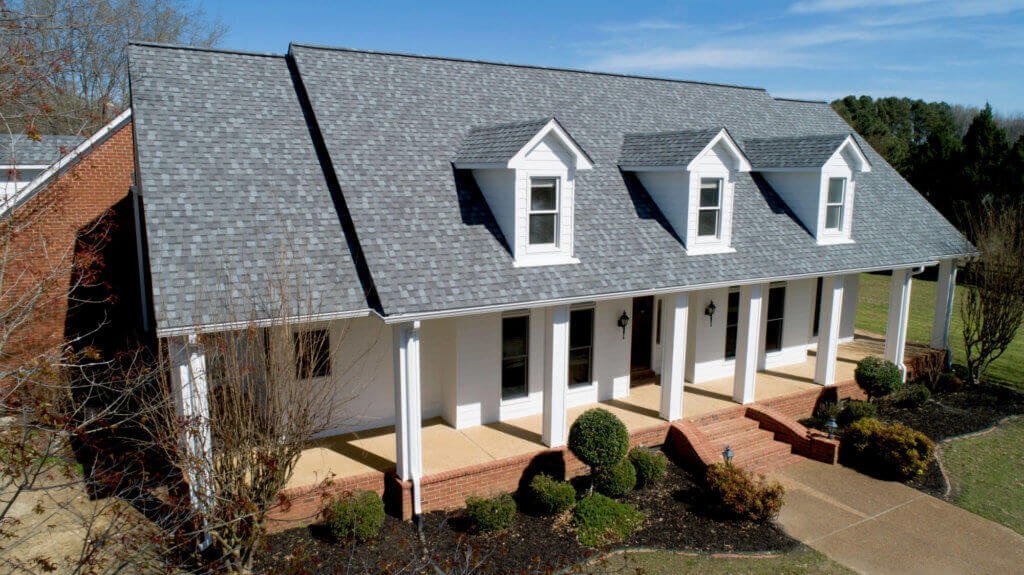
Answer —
992 307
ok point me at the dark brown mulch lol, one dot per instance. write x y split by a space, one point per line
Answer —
676 520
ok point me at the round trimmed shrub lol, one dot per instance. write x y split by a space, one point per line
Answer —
650 465
601 520
739 493
358 516
912 395
948 382
877 377
855 410
494 514
598 438
887 450
550 496
616 480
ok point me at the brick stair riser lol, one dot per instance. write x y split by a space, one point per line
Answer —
757 452
745 440
717 432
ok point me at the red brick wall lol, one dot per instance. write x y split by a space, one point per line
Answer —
53 241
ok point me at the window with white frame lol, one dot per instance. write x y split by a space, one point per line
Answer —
834 204
776 318
732 322
312 354
515 355
543 212
581 346
709 209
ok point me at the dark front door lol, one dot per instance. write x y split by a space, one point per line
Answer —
643 322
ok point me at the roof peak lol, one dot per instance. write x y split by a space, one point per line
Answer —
169 46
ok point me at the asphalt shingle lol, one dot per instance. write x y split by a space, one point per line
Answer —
21 150
808 151
664 149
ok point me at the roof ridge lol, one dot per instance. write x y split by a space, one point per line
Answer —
680 131
527 66
800 137
205 49
801 100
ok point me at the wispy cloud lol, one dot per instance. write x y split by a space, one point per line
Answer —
653 25
702 57
823 6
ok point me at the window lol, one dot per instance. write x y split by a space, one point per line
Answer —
657 325
817 310
709 212
732 323
776 312
834 203
515 356
543 211
581 346
312 354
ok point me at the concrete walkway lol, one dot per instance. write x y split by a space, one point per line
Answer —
874 526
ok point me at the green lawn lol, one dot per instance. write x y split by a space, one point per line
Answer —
800 560
986 473
872 309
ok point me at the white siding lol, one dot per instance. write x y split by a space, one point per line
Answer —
802 193
499 190
671 191
713 164
836 167
478 372
851 286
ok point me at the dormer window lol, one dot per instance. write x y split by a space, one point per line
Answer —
709 216
543 212
835 204
527 174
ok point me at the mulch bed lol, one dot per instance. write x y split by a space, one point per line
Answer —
676 520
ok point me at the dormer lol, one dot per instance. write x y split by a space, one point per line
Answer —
816 176
691 175
527 174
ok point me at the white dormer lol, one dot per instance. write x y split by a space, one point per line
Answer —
691 175
527 173
817 178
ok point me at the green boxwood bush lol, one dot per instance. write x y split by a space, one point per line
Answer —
737 492
887 450
601 520
912 395
616 480
650 465
550 496
877 377
359 516
855 410
493 514
598 438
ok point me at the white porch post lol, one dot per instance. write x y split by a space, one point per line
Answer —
899 311
408 415
944 307
190 393
673 356
748 335
828 330
556 376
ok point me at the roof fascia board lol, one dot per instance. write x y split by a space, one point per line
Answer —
583 161
723 136
230 326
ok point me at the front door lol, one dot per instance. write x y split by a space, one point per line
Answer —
643 322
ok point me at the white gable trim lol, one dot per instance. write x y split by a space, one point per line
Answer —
723 137
850 144
582 161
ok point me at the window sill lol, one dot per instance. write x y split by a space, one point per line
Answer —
834 240
518 400
701 250
551 259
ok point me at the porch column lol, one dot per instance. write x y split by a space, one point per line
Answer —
828 330
944 289
748 334
556 376
190 393
899 311
408 415
673 356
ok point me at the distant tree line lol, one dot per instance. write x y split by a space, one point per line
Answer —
962 159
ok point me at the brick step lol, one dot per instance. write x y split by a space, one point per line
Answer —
775 464
757 455
744 439
719 429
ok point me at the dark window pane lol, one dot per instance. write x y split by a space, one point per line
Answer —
836 187
710 193
543 194
833 217
579 366
515 349
581 346
773 335
542 229
515 336
657 325
732 320
817 309
513 378
707 223
312 354
776 312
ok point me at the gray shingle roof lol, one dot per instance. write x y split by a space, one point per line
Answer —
806 151
24 151
662 149
391 126
497 144
235 199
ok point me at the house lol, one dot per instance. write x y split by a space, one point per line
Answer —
513 244
63 199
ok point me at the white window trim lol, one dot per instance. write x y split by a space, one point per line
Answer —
581 387
554 247
764 328
719 209
841 204
513 401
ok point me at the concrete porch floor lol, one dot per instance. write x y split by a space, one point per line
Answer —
446 448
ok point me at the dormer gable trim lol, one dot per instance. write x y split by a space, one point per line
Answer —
677 150
506 146
805 153
742 164
851 150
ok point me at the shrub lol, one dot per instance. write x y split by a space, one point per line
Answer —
494 514
889 450
598 438
912 395
601 520
949 382
551 496
877 377
855 410
359 516
650 465
827 410
739 493
616 480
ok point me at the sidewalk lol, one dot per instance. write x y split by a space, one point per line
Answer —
875 526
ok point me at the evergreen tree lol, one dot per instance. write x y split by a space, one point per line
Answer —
985 156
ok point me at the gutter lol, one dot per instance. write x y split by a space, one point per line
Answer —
234 325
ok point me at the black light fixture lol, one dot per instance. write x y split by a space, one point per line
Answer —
727 455
623 322
710 312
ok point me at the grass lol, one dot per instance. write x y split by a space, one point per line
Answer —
800 560
986 473
872 310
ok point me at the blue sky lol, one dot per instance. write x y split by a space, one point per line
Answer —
967 52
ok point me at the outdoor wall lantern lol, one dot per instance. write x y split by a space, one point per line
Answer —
831 426
727 454
623 322
710 312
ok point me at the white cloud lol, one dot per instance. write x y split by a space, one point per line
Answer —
702 57
822 6
652 25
